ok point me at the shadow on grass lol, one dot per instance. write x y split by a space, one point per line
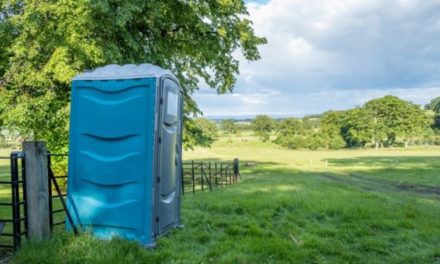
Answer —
428 162
412 173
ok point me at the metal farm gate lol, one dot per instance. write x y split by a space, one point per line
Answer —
13 220
13 211
208 176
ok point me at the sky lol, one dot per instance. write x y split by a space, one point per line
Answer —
334 55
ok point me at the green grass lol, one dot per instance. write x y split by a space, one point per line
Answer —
362 206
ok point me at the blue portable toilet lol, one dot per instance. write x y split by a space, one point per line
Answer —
125 152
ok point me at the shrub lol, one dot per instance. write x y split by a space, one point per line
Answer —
316 142
293 142
336 142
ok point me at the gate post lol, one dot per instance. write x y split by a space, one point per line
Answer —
37 193
236 168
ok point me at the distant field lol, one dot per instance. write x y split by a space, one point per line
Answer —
349 206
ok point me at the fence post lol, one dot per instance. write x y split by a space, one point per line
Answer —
49 186
15 192
236 169
193 177
35 155
210 177
202 171
216 175
221 175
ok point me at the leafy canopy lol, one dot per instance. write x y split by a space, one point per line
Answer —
380 122
46 43
229 126
209 128
263 126
434 105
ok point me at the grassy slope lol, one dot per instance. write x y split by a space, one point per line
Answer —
290 207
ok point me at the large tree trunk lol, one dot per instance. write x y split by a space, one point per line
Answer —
376 145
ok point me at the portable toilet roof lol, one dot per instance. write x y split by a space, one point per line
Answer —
127 71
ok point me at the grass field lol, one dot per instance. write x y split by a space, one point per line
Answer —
351 206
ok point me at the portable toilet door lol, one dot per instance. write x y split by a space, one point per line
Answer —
169 156
125 152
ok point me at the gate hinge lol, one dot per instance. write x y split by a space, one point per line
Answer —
157 219
160 139
161 100
158 179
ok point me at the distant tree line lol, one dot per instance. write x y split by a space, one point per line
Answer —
382 122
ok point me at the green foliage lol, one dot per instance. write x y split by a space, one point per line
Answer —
208 127
228 125
316 141
436 108
262 126
45 44
336 142
293 133
434 105
436 124
289 126
380 122
312 124
292 142
391 117
331 129
194 135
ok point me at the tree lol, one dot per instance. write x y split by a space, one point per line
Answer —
289 127
311 124
437 108
45 44
333 129
434 105
228 125
263 126
209 127
391 117
291 134
357 127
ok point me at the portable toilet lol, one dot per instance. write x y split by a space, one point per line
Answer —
125 152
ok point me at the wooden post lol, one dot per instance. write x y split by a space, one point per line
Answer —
37 193
236 169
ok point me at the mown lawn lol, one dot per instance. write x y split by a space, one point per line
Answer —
361 206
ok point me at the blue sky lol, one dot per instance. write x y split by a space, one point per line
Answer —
334 54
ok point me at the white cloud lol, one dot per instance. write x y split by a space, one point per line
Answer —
326 54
